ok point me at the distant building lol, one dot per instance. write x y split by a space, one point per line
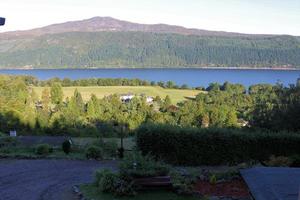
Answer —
126 97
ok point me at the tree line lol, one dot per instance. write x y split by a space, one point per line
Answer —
137 49
67 82
268 107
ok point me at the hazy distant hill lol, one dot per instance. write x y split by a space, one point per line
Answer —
108 42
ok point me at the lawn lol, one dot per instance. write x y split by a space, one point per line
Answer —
176 95
90 192
128 143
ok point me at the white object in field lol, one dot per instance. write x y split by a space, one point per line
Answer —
149 100
126 97
13 133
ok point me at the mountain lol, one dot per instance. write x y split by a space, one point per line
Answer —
100 24
107 42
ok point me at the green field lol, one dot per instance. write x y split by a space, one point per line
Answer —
176 95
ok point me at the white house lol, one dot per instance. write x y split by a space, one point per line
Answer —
126 97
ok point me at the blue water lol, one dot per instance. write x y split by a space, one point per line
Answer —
191 77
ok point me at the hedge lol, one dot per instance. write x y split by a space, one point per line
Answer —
193 146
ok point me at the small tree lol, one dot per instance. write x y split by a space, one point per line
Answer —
56 93
66 146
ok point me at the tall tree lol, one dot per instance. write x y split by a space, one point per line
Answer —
56 93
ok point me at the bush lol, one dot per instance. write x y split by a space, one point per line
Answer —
8 141
123 187
136 165
109 182
105 180
94 152
110 148
66 146
193 146
213 179
43 149
183 185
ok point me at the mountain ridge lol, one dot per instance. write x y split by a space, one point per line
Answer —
100 24
103 42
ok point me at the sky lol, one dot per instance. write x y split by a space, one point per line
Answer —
244 16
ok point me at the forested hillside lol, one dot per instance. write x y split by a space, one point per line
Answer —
153 48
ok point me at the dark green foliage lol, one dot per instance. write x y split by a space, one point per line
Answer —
193 146
8 141
94 152
66 146
110 182
183 185
105 180
110 148
136 165
132 49
43 149
295 159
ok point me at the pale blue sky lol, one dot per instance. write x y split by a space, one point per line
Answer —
246 16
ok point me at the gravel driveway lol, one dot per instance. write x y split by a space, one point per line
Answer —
45 179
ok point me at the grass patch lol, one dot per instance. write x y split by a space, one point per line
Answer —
176 95
90 192
129 143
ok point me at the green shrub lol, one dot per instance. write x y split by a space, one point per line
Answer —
213 179
43 149
183 185
7 141
193 146
109 182
94 152
105 180
137 165
66 146
110 148
123 187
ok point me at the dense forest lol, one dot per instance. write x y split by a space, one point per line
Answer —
267 107
141 49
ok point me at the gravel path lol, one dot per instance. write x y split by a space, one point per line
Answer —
45 179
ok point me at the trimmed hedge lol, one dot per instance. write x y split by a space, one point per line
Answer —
192 146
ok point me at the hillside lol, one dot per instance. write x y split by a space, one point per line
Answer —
176 95
107 42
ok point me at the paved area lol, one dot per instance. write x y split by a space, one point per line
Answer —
30 141
273 183
45 179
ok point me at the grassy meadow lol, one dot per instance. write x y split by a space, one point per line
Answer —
176 95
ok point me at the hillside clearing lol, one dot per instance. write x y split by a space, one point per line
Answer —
176 95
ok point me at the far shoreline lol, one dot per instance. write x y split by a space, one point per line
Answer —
149 68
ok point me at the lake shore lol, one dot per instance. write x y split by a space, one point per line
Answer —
91 68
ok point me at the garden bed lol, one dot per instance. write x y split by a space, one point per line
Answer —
91 192
234 189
